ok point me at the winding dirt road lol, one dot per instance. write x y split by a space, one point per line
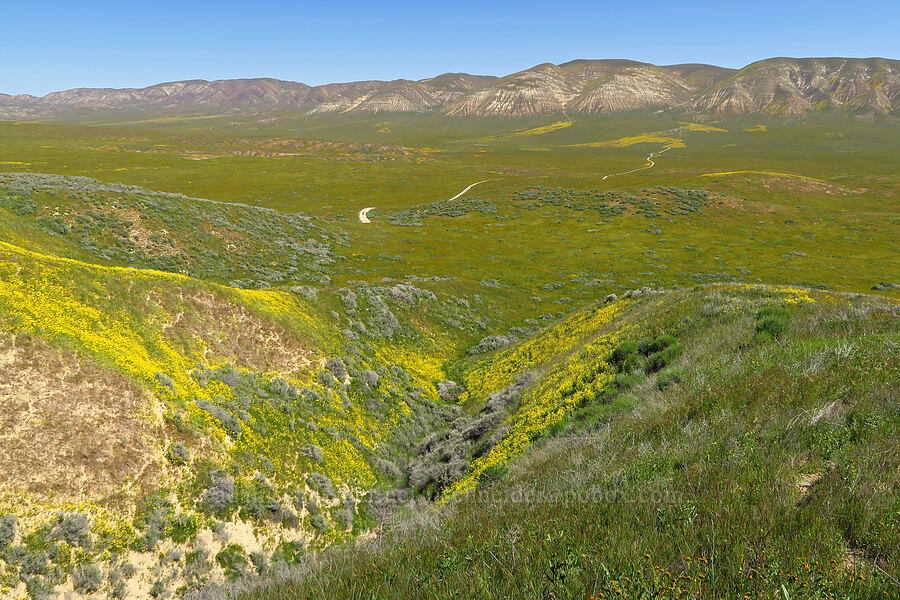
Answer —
364 213
649 166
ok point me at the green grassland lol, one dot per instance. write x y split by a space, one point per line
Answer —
308 379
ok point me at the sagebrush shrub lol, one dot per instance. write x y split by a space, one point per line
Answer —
338 368
322 484
319 523
178 454
72 527
37 588
220 493
7 529
312 452
87 579
260 562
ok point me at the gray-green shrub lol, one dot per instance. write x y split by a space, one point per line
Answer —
87 579
8 525
178 454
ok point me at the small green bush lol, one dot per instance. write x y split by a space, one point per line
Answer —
771 327
635 362
624 350
645 344
233 561
661 343
492 473
660 359
289 552
669 377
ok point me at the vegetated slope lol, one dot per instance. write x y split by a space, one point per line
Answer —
257 426
783 86
176 415
741 443
247 246
223 422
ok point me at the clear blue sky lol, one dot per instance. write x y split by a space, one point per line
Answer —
46 46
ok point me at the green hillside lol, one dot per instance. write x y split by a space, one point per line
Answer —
597 373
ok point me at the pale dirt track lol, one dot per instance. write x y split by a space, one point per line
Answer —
364 213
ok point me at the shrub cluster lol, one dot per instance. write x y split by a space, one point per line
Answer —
771 322
649 354
492 342
442 457
219 494
322 484
178 454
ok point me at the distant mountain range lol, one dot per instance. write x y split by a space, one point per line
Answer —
777 86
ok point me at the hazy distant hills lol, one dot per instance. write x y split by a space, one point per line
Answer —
777 86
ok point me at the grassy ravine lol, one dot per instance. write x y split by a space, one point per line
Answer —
767 467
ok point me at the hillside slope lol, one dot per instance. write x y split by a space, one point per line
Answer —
757 460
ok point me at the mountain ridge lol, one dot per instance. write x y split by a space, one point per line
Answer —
784 86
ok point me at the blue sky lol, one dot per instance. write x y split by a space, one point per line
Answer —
46 46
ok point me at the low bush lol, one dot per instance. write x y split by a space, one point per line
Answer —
662 342
322 484
178 454
624 350
219 494
87 579
669 377
73 528
260 562
319 523
770 327
660 359
312 452
233 561
7 529
492 473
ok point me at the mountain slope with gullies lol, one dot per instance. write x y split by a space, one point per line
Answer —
795 87
789 87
